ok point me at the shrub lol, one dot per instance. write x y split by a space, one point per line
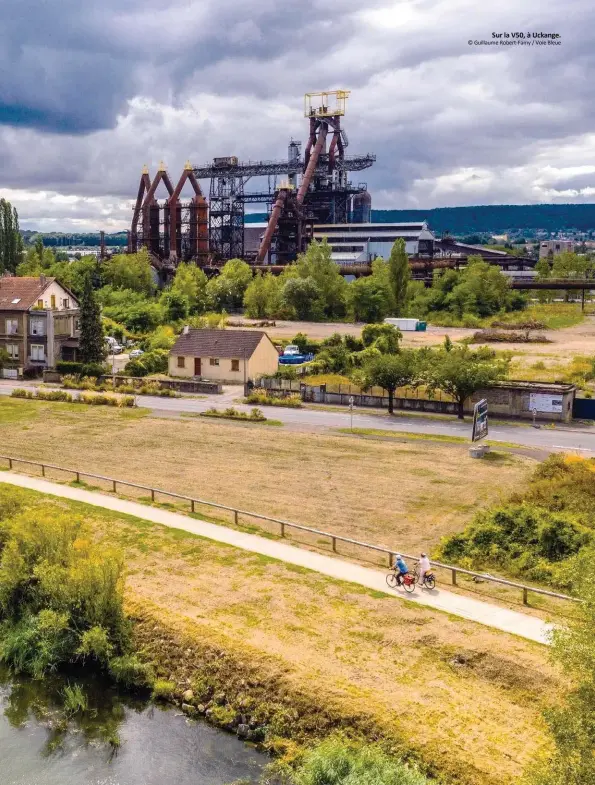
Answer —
155 361
75 700
541 533
336 761
64 366
130 671
163 690
61 593
262 398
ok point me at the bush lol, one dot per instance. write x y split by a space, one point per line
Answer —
130 671
336 761
155 361
122 401
262 398
539 534
64 366
163 690
61 593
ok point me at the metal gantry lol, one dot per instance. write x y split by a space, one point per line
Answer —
315 189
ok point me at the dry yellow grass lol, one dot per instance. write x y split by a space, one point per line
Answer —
405 496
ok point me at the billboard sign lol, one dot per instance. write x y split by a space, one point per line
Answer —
546 403
480 421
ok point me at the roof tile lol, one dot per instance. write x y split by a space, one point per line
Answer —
218 343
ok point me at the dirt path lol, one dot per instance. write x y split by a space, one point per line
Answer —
465 607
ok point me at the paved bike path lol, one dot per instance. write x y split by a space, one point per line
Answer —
494 616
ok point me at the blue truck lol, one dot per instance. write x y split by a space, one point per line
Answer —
293 356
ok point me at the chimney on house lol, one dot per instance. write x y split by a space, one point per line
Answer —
186 330
42 279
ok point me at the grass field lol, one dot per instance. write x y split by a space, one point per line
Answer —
400 495
463 699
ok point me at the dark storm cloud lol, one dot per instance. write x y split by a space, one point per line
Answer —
72 67
89 92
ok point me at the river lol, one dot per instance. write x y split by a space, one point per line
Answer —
117 740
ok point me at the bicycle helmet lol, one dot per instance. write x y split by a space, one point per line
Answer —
398 556
423 556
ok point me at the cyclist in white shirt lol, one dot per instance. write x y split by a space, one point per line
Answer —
423 566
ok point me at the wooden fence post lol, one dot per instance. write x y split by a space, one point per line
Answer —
454 577
235 517
114 486
525 596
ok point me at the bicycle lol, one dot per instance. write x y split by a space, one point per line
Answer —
429 579
407 581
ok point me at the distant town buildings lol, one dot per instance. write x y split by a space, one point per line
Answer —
549 248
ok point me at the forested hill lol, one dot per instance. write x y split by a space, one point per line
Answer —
498 218
491 219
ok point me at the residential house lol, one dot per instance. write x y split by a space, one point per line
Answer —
39 323
229 356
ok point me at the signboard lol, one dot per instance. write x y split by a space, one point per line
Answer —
480 421
543 402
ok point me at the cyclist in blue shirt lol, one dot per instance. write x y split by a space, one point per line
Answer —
401 567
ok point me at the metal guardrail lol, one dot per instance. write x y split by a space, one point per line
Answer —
333 538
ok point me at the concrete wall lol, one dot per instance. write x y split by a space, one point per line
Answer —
264 360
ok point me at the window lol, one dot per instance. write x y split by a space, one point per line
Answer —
16 301
213 361
52 301
13 350
235 365
65 303
12 326
181 362
37 352
40 303
37 326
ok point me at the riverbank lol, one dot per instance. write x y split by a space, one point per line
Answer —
292 656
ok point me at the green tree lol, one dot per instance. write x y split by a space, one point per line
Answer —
367 300
302 295
399 275
543 269
130 271
384 337
92 340
11 242
317 263
391 372
191 282
4 358
460 372
227 290
176 305
572 724
255 297
571 265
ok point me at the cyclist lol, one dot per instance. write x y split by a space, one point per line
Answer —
424 567
400 568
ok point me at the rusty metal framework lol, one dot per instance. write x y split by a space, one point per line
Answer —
316 189
172 231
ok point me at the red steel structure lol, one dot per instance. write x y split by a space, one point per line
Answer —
172 231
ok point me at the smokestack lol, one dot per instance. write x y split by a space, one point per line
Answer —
186 330
42 279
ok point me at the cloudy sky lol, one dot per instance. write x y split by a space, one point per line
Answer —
90 91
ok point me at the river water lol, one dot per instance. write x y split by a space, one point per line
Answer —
118 740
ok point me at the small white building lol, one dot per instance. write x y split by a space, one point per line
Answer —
228 356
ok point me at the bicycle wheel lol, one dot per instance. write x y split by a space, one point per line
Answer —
392 581
409 586
430 582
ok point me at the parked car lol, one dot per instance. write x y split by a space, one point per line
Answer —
136 353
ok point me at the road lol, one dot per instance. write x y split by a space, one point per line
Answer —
499 618
550 439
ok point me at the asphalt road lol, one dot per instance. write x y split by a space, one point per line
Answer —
550 439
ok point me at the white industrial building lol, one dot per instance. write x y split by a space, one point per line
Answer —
358 243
